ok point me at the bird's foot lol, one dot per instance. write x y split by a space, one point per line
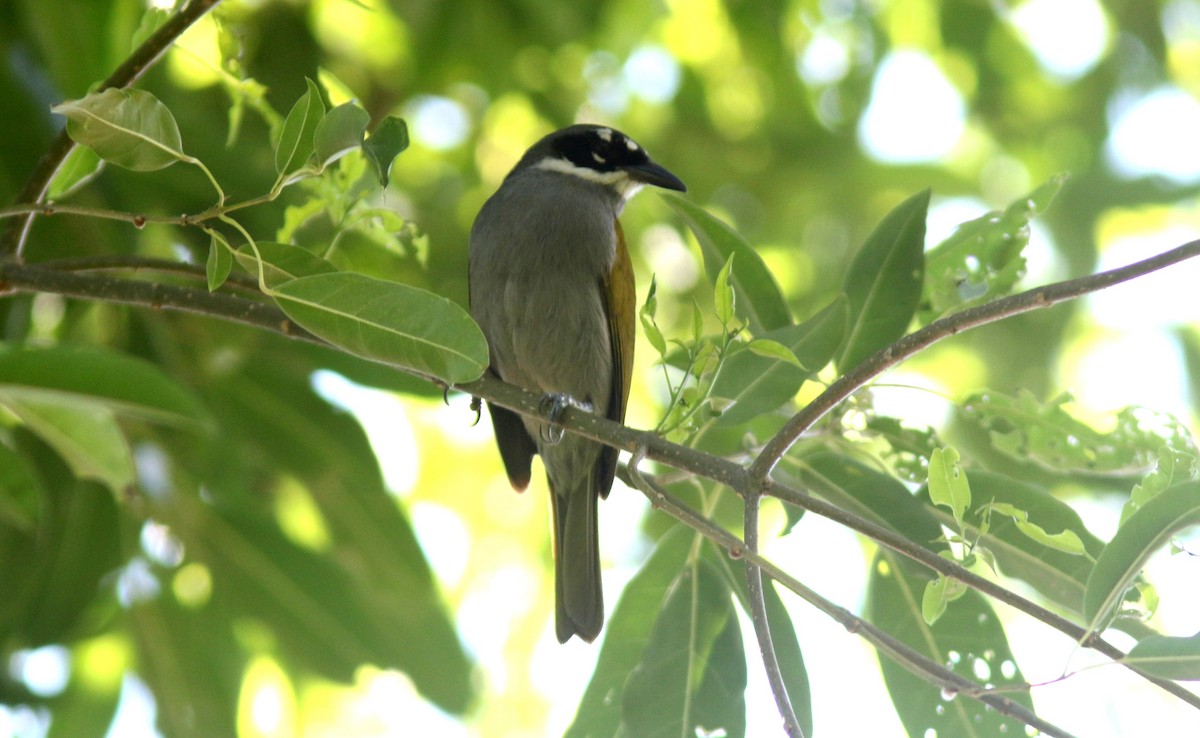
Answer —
553 405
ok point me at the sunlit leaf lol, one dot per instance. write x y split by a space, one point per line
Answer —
86 436
948 485
295 144
723 296
384 144
982 258
1166 657
884 281
759 300
340 131
760 384
1066 541
81 166
128 127
1146 531
1046 434
388 322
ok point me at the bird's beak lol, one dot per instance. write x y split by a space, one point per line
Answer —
653 174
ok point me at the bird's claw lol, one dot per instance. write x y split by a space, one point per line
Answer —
553 405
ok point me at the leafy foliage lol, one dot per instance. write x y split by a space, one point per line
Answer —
177 489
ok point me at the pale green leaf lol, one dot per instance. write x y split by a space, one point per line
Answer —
130 128
296 137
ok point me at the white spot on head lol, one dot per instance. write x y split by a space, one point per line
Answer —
632 144
599 159
605 134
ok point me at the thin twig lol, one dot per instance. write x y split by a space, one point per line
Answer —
880 361
937 674
758 616
12 242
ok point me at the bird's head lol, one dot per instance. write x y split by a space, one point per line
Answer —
598 154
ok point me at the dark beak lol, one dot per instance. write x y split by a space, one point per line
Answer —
653 174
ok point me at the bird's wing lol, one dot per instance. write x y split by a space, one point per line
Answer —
620 302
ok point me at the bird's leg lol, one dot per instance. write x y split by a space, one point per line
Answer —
553 405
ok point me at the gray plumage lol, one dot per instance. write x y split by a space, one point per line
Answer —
542 253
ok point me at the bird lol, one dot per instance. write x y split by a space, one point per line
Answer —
551 285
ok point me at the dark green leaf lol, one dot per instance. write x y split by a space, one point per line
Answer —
884 281
759 385
21 492
131 128
87 376
384 144
759 299
296 138
627 633
1147 530
692 676
388 322
339 132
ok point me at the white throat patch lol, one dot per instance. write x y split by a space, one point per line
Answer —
620 181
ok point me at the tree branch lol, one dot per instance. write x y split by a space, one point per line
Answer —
22 278
12 242
889 356
902 653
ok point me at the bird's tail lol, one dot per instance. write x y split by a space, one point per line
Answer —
578 594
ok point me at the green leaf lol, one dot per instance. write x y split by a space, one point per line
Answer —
86 436
80 167
1066 541
760 385
968 639
692 676
296 138
982 259
1046 434
759 300
649 327
1174 466
282 262
1146 531
130 128
384 144
939 594
772 349
21 491
723 296
220 261
75 377
884 281
1166 657
389 322
340 132
627 633
948 485
908 449
1057 575
152 20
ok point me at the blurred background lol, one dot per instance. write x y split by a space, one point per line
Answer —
801 122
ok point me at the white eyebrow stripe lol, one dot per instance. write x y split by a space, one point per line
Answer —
619 180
